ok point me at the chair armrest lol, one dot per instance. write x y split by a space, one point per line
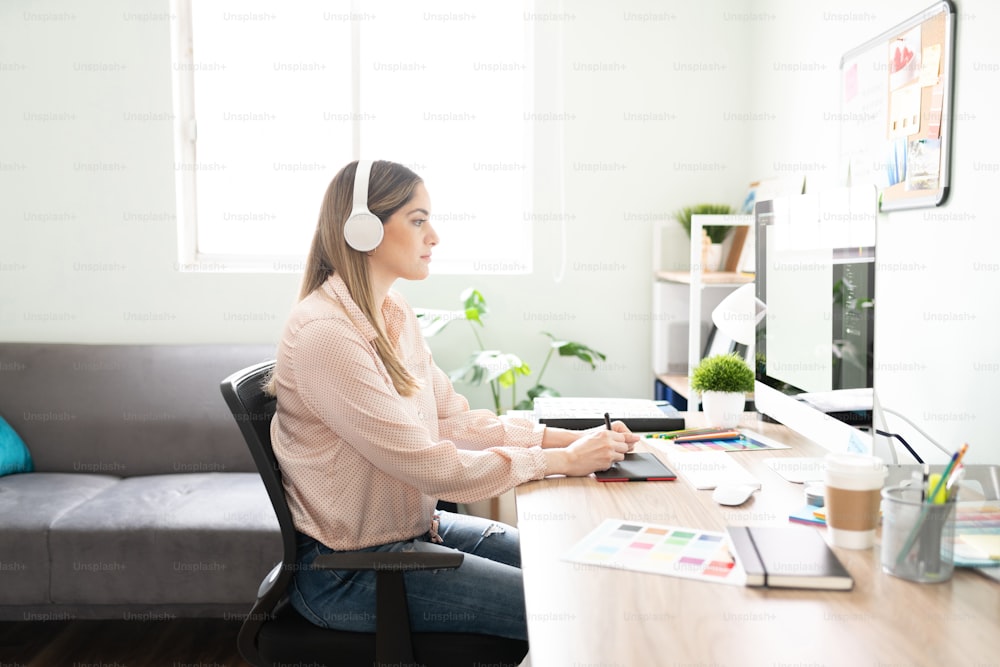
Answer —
393 641
392 561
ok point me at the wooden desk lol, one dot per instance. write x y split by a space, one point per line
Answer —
584 615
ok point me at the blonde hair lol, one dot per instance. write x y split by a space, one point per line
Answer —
390 187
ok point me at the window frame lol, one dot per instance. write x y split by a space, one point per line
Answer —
185 135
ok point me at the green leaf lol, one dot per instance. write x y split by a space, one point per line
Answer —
433 321
568 348
471 372
474 304
507 367
524 404
723 372
490 365
715 232
541 390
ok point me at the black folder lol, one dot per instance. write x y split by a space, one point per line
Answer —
635 424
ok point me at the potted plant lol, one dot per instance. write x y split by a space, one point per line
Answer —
723 382
712 235
500 370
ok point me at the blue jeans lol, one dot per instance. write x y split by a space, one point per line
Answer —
484 595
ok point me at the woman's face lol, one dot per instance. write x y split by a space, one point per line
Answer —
405 251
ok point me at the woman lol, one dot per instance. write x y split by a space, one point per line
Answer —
370 433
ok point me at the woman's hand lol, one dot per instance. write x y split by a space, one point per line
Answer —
561 437
594 449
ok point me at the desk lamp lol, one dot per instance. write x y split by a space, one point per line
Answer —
738 314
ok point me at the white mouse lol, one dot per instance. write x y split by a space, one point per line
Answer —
733 494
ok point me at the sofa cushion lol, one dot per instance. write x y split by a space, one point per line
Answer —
166 539
126 409
29 504
14 455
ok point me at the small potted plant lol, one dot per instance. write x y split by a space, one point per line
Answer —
723 382
712 235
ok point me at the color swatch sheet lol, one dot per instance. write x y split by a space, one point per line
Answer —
688 553
977 534
747 442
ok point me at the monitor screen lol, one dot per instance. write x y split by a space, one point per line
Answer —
815 262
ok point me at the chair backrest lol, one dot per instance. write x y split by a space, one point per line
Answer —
253 409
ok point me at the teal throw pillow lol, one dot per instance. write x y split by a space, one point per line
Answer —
14 455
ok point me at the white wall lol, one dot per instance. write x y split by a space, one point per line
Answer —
89 215
90 238
938 273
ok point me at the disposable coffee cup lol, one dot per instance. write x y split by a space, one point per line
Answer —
853 494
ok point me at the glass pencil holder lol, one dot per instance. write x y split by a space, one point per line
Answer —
918 537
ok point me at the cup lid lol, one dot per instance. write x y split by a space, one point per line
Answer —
852 463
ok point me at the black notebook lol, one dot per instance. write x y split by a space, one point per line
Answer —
788 557
637 467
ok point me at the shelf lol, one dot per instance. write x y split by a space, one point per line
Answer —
676 390
720 278
677 382
692 293
681 385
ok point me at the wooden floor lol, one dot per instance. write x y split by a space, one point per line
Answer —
88 643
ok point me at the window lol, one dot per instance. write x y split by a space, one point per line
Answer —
273 99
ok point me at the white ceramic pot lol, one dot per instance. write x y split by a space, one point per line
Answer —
711 257
723 409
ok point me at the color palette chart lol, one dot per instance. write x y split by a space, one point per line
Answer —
977 534
741 444
689 553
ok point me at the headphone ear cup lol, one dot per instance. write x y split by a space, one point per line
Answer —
363 231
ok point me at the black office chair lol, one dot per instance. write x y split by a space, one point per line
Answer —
273 633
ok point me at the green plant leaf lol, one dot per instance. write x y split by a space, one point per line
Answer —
509 366
715 232
433 322
541 390
474 304
500 370
489 365
524 404
472 372
528 403
723 372
569 348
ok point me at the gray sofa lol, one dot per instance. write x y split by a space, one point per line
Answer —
144 502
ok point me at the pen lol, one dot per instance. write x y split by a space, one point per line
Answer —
955 458
607 425
926 481
951 488
717 435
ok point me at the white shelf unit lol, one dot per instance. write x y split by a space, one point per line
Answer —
688 294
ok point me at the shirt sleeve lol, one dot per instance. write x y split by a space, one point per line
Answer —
478 429
339 378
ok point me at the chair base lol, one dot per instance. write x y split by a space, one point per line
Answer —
289 639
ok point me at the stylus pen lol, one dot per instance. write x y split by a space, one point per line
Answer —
607 425
718 435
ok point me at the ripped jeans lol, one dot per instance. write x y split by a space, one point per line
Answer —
484 595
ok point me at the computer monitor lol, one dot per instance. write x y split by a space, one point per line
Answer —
815 280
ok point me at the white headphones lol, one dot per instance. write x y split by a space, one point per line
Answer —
363 229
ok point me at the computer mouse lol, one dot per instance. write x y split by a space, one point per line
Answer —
733 494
